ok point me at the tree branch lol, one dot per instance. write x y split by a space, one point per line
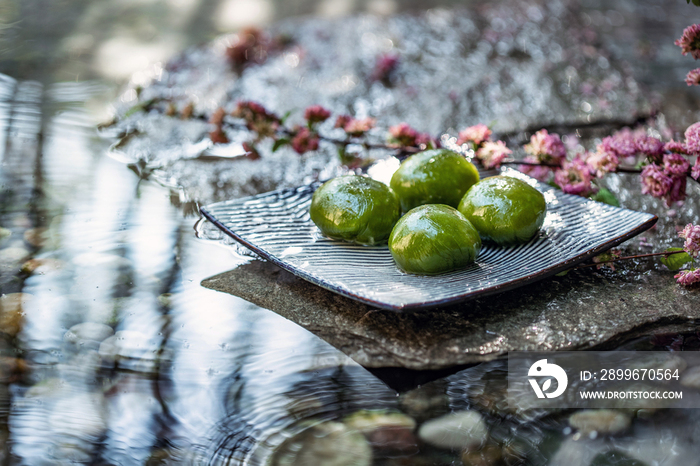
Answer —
573 126
554 165
638 256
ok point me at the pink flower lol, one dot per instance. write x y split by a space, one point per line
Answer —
354 127
695 172
691 234
571 141
677 191
247 109
476 134
386 64
359 127
256 117
688 277
676 164
692 138
217 118
575 178
251 151
426 140
693 77
676 147
540 173
250 46
623 143
655 182
492 154
690 41
217 136
316 114
602 161
546 147
650 146
342 120
304 141
403 135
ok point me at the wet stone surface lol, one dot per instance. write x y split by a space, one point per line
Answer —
582 310
514 65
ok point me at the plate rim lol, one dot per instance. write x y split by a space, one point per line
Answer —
516 283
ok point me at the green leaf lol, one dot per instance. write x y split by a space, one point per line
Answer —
285 116
140 107
641 164
136 108
606 197
345 157
562 274
676 261
279 143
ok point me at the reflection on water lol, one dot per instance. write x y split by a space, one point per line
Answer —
122 350
112 350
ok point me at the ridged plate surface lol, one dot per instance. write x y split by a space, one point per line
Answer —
276 225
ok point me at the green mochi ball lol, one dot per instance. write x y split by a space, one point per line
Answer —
432 239
355 208
437 176
504 210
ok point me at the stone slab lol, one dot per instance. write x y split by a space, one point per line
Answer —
585 309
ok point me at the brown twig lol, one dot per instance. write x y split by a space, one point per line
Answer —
638 256
566 127
554 165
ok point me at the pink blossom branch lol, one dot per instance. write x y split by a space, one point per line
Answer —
404 140
287 132
410 149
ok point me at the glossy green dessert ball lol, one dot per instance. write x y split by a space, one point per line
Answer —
432 239
433 177
505 210
355 208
